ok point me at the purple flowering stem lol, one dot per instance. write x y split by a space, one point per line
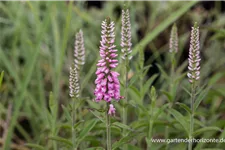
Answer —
73 123
194 74
193 94
108 129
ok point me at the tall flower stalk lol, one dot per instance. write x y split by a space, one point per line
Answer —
126 50
74 94
173 49
193 74
107 83
74 85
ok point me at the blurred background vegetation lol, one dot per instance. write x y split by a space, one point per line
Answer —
36 51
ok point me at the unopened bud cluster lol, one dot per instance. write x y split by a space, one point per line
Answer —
194 55
126 35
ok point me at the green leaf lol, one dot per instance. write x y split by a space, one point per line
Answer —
78 123
142 108
160 110
86 129
168 95
121 125
36 146
178 79
205 129
135 94
164 74
199 98
181 119
65 126
60 139
149 82
186 90
133 79
1 78
122 141
67 113
146 69
185 107
96 115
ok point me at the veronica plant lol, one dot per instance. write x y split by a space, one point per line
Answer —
79 59
107 83
173 49
126 50
194 73
74 94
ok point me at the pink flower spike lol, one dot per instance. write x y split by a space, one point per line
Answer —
112 110
107 82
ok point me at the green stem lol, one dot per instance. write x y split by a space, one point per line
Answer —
125 100
151 122
126 96
172 73
73 123
192 116
108 129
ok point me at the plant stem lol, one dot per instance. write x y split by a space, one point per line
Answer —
192 116
126 97
73 123
108 129
151 122
172 72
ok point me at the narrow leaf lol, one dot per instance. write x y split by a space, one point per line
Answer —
178 79
185 107
96 115
164 74
200 98
121 125
205 129
149 82
160 110
181 119
77 124
122 141
36 146
186 90
63 140
168 95
87 128
67 113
